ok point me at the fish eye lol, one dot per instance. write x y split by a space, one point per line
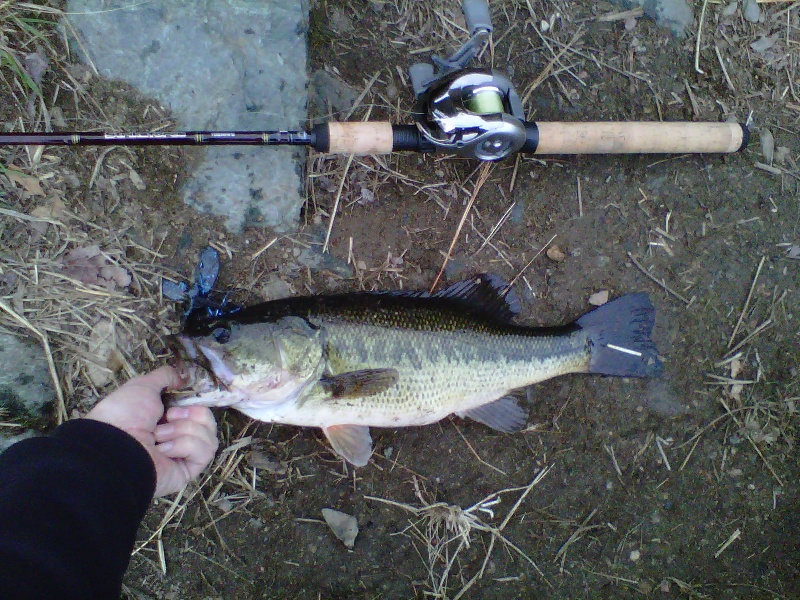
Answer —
221 335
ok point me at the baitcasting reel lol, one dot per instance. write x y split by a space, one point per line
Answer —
474 114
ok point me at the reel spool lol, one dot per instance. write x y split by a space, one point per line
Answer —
473 114
478 115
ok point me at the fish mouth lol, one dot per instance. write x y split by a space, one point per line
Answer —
198 363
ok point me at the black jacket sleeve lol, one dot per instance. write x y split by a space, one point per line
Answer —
70 505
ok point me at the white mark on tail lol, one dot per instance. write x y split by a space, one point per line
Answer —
625 350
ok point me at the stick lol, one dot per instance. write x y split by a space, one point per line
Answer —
747 302
660 283
484 175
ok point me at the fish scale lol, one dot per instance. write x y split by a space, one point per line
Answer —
441 371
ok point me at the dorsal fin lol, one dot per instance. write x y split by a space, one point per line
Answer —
487 293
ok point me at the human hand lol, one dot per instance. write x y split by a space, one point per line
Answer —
181 447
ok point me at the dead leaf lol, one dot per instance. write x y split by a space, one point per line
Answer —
103 348
599 298
116 274
367 196
28 182
344 526
136 180
36 64
736 367
270 464
53 209
88 265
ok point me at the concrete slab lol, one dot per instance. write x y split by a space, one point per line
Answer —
217 64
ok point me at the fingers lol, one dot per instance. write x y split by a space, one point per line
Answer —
163 378
203 429
188 436
199 414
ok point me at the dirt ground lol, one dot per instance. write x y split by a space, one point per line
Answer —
681 487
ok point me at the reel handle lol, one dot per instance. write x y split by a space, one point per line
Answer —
549 138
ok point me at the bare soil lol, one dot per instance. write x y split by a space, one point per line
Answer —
685 486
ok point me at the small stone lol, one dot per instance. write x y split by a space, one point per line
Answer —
314 259
555 253
730 9
344 526
752 11
275 288
675 15
328 90
340 22
599 298
635 555
781 154
455 269
26 388
8 439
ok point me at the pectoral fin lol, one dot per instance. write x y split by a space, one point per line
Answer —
357 384
504 414
351 442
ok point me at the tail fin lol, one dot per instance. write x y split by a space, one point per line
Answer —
619 337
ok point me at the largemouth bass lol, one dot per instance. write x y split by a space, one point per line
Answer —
347 362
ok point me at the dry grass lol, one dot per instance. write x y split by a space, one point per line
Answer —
71 276
446 530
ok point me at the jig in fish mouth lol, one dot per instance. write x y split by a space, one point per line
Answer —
188 356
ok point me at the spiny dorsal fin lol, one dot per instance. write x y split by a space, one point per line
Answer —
504 414
352 442
358 384
488 293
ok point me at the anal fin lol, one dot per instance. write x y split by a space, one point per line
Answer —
503 414
351 442
357 384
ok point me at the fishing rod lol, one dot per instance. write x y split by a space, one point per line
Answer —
471 113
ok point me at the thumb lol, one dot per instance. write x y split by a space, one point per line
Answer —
163 378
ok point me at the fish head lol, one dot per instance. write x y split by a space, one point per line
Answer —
258 362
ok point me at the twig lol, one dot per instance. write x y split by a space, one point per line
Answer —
660 283
484 175
747 302
752 443
724 70
756 331
530 262
699 36
734 536
336 203
483 462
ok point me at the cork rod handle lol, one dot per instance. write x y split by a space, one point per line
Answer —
635 138
549 138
